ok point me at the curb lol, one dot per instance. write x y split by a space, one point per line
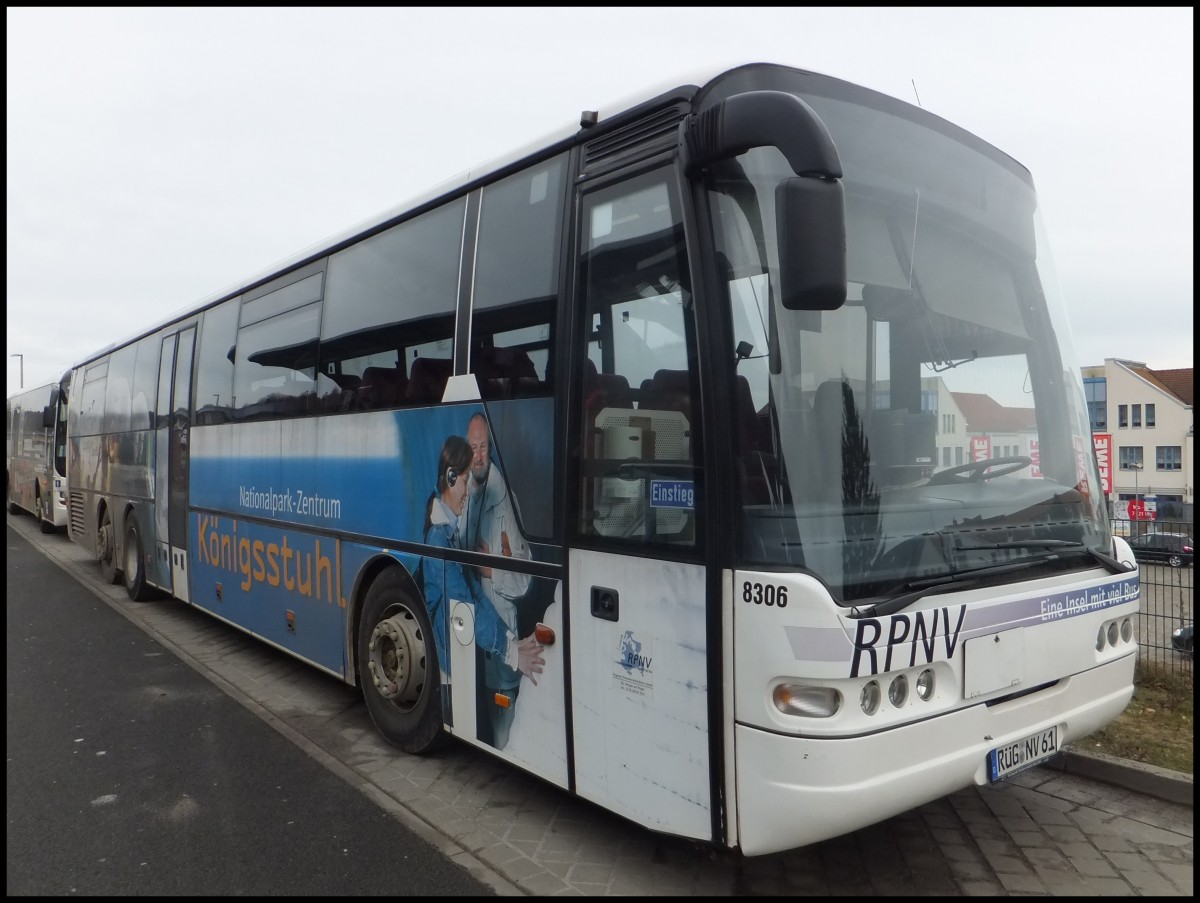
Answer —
1162 783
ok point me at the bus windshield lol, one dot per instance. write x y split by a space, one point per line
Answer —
932 427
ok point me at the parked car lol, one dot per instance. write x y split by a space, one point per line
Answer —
1181 639
1174 549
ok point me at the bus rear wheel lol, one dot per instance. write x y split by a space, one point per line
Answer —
397 666
106 548
135 563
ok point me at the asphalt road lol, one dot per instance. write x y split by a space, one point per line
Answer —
131 774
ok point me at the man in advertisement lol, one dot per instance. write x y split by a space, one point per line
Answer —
490 525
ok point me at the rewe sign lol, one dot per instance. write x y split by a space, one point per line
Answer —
1103 443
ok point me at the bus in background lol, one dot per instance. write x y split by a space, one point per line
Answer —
641 459
37 454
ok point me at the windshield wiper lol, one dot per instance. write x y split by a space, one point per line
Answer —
1114 565
1021 544
961 580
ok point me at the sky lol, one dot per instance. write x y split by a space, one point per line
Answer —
157 156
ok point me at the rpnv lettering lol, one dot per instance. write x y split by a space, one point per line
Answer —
917 633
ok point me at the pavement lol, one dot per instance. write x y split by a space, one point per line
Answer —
1085 824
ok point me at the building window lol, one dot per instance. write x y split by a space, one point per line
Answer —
1130 457
1096 390
1137 415
1149 416
1170 507
1168 457
958 455
1122 416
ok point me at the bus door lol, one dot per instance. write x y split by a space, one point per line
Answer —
637 586
173 422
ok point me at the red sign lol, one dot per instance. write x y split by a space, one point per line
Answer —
981 448
1137 510
1035 455
1103 443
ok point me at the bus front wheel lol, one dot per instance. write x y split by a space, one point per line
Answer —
46 526
397 666
106 548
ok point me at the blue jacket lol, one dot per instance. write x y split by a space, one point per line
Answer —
445 580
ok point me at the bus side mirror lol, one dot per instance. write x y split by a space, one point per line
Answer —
810 221
47 417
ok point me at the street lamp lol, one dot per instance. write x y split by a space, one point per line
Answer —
21 361
1135 467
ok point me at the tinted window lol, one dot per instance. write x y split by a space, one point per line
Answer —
520 230
276 367
145 382
390 302
515 286
90 407
118 400
214 372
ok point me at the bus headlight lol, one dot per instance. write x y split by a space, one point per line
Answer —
898 691
1100 639
925 685
1127 630
870 697
808 702
1113 634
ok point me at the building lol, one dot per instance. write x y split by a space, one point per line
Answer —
1148 415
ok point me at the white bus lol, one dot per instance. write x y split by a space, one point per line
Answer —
650 459
37 454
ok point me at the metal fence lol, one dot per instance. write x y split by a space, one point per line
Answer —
1167 597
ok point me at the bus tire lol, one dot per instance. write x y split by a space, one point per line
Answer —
135 562
39 505
398 667
106 549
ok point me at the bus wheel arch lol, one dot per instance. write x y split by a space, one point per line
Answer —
396 662
106 545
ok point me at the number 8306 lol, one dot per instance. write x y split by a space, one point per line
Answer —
764 594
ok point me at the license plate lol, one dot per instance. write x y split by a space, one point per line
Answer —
1021 754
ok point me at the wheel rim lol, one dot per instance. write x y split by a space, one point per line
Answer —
396 661
104 540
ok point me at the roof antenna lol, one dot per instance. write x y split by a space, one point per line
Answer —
914 84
